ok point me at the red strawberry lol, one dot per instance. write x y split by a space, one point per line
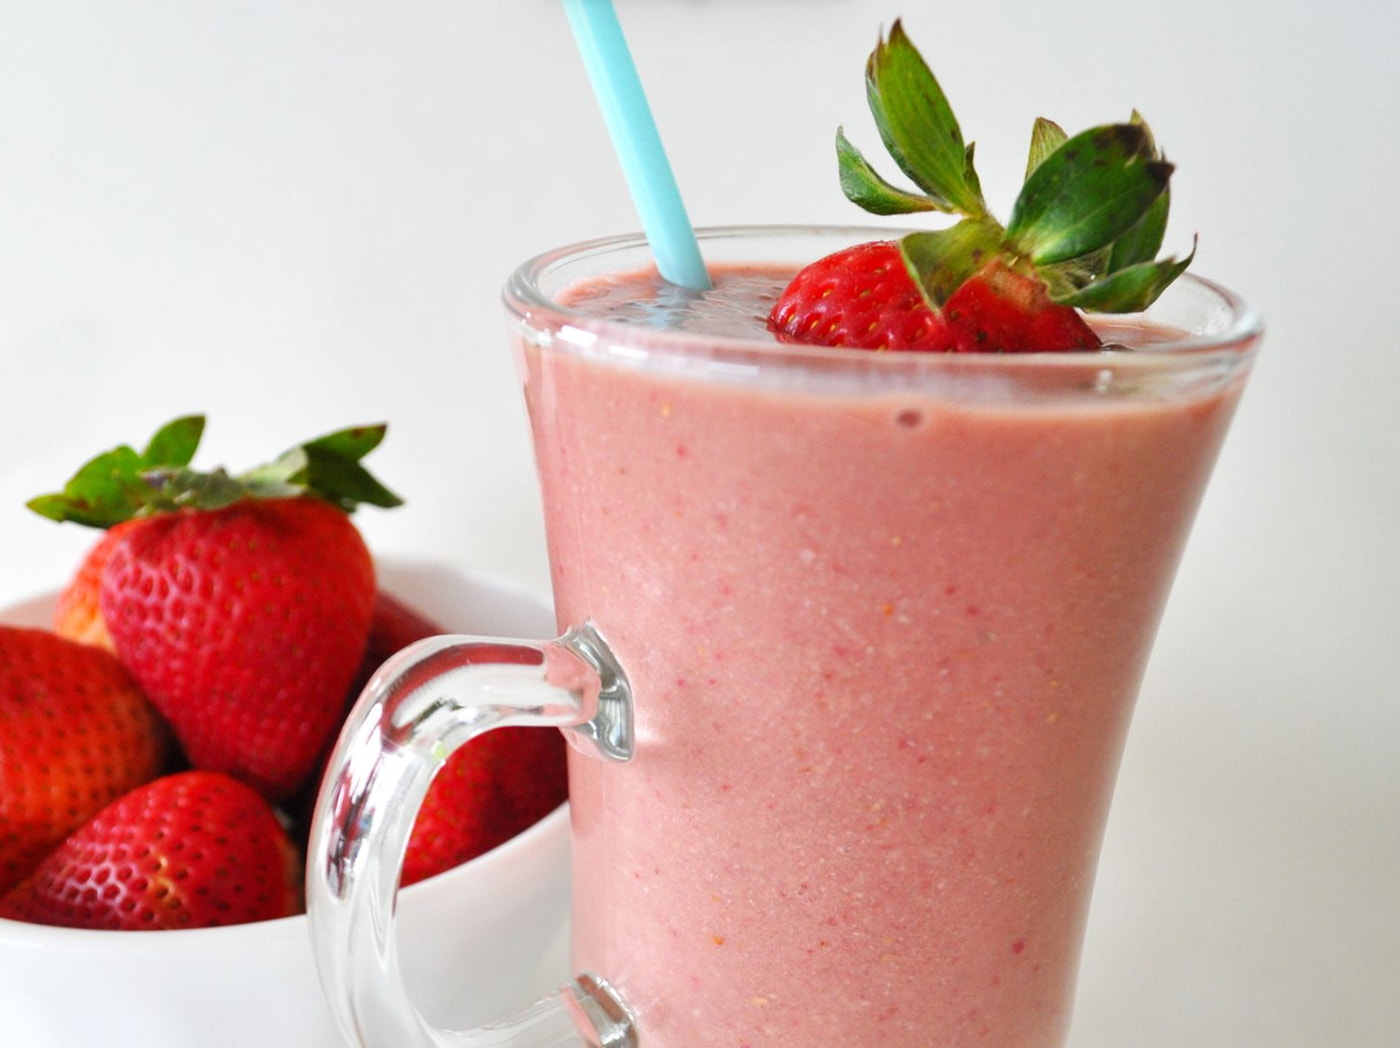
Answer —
241 605
998 310
77 615
492 788
393 626
75 733
192 850
245 626
1082 235
862 297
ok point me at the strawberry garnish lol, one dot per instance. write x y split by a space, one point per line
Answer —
240 604
862 297
192 850
999 310
75 734
1083 233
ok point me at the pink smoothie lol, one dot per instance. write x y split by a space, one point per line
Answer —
884 647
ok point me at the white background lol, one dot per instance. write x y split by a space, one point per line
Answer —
297 215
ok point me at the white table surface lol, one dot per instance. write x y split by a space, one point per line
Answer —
295 216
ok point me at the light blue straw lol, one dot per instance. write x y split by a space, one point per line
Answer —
637 142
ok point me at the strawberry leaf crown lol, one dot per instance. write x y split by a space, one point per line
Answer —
122 484
1089 219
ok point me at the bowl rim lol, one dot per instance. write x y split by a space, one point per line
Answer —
456 881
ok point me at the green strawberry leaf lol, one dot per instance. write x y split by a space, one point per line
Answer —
353 443
1141 241
282 478
320 469
941 260
100 494
1087 193
175 443
866 189
344 481
1046 137
329 467
970 174
917 125
187 488
1131 289
1137 118
119 484
1065 278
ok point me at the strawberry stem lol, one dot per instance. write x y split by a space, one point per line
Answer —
1087 224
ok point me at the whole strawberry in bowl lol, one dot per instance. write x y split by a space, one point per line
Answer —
75 734
195 849
160 903
239 603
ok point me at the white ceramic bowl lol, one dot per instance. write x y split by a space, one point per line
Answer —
490 932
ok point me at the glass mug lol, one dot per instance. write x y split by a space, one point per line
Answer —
849 645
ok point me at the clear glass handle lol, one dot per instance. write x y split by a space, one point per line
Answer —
421 706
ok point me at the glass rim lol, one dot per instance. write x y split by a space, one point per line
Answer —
534 309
